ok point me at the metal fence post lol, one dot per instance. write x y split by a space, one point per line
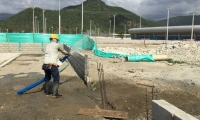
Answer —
19 47
42 46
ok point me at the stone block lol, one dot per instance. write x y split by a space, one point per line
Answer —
184 116
162 110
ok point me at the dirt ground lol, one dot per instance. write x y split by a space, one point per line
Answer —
176 83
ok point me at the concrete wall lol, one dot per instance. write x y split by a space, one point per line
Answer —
31 47
162 110
79 62
8 47
14 47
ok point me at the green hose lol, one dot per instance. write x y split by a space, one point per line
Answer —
64 66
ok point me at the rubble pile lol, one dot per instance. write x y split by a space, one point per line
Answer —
182 52
178 51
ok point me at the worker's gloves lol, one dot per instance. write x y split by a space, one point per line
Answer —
69 54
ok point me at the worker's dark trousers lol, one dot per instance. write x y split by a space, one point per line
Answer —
54 72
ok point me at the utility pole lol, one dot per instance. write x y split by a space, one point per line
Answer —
82 25
125 32
38 26
43 23
8 40
167 23
98 32
140 20
59 17
192 27
114 27
90 27
82 19
109 28
33 23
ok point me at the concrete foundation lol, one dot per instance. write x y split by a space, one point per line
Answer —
162 110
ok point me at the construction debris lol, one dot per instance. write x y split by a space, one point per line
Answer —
177 50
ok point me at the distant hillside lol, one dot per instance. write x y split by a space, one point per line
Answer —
181 20
94 10
4 16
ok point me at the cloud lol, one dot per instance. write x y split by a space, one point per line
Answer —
157 9
12 6
149 9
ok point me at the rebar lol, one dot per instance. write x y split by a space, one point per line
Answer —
102 85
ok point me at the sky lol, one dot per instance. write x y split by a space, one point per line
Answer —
148 9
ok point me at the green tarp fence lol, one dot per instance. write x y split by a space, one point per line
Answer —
78 40
70 39
131 58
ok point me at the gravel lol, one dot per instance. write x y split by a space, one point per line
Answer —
178 51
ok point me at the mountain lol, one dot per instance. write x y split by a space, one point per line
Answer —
181 20
4 16
95 10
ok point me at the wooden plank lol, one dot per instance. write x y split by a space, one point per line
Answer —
145 84
103 113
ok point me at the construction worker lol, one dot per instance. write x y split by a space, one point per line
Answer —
50 65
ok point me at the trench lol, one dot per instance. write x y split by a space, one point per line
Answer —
131 98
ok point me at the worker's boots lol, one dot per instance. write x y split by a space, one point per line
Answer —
55 91
47 89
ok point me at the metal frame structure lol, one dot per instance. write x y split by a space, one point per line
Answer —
173 30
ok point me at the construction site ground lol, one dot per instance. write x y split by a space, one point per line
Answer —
178 84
